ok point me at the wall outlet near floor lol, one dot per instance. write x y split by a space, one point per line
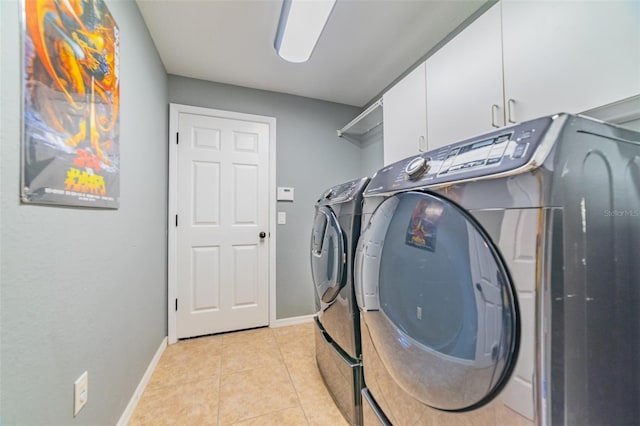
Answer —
81 392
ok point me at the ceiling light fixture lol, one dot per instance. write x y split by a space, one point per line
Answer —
300 26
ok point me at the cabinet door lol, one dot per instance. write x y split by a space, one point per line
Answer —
464 83
405 117
569 56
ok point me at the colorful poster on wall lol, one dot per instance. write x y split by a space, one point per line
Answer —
71 98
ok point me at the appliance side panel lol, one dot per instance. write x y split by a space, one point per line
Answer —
597 182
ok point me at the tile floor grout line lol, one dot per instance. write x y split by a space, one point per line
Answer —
262 415
292 382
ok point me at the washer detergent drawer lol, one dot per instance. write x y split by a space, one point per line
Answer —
341 374
372 415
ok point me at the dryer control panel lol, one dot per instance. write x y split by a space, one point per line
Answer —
496 152
343 192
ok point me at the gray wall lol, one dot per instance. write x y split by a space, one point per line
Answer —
84 289
372 154
309 157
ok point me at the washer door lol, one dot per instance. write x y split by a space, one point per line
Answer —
437 300
328 255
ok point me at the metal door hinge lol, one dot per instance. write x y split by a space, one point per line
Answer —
176 305
176 220
177 138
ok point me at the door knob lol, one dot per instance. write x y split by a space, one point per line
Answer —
262 235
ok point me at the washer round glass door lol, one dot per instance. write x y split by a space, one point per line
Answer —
437 300
328 254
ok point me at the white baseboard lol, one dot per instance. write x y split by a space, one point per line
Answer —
292 321
133 403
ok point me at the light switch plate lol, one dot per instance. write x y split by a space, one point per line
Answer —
282 218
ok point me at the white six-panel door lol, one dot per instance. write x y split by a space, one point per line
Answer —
222 205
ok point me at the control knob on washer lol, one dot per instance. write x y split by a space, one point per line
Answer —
417 167
329 194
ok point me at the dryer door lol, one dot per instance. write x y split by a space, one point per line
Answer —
437 300
328 255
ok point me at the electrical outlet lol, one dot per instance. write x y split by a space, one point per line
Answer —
81 392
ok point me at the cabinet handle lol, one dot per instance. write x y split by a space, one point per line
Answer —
510 107
494 109
421 144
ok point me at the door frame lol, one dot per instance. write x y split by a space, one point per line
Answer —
172 279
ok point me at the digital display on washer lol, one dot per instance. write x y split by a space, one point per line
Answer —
486 152
481 144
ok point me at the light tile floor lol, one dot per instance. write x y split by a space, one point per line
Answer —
265 376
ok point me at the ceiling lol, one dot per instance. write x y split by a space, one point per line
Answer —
365 46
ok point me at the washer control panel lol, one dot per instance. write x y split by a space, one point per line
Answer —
343 192
496 152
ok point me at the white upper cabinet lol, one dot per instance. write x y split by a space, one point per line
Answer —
464 83
525 59
569 56
405 117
